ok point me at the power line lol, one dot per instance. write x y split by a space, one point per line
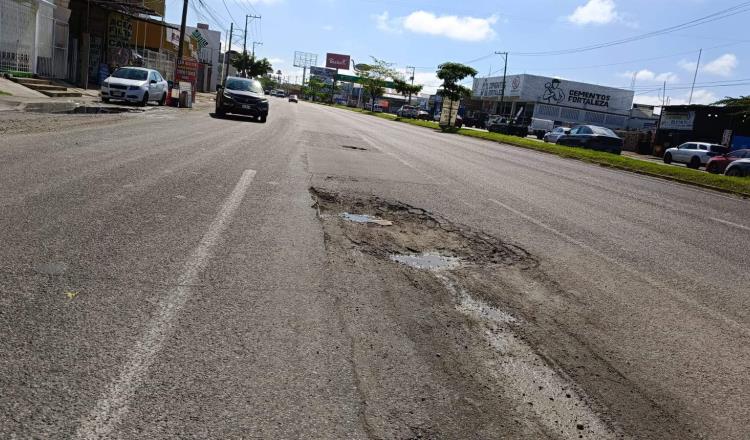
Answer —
724 13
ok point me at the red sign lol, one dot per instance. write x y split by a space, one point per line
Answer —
337 61
187 71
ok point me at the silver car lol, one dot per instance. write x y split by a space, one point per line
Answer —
135 84
555 134
694 154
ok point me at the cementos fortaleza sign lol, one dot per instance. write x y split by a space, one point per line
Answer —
337 61
556 91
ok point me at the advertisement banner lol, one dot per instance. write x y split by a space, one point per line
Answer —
187 72
337 61
677 121
449 112
324 74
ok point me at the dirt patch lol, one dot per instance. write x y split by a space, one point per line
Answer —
485 331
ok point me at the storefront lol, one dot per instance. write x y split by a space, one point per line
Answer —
563 101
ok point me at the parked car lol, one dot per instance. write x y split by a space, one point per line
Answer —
242 96
592 137
718 164
424 115
407 111
378 109
555 134
540 127
738 168
293 98
509 126
135 84
694 154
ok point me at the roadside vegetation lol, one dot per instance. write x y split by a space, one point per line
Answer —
737 185
3 93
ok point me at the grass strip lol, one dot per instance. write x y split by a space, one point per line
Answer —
719 182
2 93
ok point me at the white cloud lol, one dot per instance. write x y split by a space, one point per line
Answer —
721 66
450 26
649 76
327 27
700 96
428 80
595 12
275 61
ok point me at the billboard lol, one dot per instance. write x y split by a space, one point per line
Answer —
677 120
556 91
337 61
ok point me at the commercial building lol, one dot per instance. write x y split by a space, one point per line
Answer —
563 101
728 126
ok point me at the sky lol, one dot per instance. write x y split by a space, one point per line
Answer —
543 37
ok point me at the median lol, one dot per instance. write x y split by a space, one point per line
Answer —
718 182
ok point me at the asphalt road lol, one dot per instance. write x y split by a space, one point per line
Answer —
166 275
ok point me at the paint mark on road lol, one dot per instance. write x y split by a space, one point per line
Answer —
728 223
114 404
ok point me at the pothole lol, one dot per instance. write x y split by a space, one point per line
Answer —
364 218
427 261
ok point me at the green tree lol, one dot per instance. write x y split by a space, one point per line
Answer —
246 65
406 89
316 89
374 77
741 101
452 74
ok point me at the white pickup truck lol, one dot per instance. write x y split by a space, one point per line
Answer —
540 127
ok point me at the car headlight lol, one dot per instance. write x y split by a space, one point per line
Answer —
228 95
135 87
105 84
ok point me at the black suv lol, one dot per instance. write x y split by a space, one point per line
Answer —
242 96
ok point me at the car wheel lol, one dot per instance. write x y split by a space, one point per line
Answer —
668 158
105 100
735 172
163 100
220 112
712 169
695 163
144 101
263 118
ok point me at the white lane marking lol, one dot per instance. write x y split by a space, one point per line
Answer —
113 405
730 223
719 316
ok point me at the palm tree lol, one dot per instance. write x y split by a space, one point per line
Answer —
247 65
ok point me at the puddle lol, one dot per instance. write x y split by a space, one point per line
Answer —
364 218
427 261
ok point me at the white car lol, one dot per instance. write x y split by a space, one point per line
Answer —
540 127
694 154
555 134
135 84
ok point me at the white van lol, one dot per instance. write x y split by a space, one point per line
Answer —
540 127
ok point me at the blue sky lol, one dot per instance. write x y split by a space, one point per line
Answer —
424 33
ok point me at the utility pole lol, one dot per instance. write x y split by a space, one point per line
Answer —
664 96
505 73
226 54
697 65
413 70
244 45
256 43
182 39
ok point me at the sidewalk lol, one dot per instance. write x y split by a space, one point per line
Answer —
24 99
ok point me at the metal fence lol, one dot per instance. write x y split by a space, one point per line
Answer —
52 48
17 28
161 61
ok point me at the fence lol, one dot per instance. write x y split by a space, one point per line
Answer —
163 62
52 48
17 28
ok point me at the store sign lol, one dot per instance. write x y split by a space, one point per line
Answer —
119 31
337 61
197 36
677 121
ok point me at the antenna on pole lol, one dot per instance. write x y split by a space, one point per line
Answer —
697 65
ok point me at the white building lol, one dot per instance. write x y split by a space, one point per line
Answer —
566 102
209 43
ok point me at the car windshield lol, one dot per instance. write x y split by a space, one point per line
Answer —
719 149
603 131
135 74
244 85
